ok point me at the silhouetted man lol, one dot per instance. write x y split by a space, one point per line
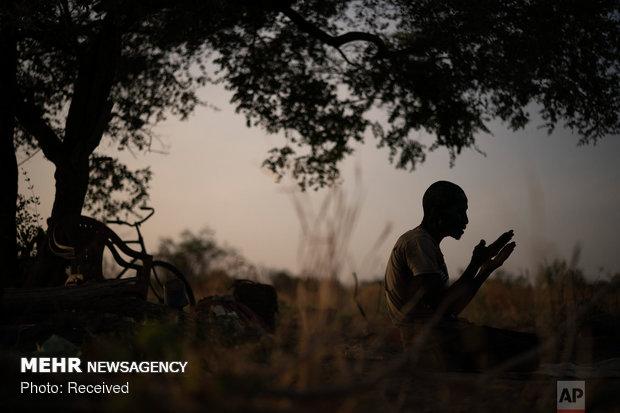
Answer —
419 293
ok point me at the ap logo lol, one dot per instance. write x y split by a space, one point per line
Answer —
571 396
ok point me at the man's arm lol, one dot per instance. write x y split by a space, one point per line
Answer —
460 294
484 261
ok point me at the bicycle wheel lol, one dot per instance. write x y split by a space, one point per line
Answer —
161 273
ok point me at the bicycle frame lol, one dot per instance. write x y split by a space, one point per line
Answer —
140 241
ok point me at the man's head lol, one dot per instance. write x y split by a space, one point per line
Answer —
445 209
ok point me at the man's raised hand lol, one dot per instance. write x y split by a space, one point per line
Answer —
499 243
494 263
483 253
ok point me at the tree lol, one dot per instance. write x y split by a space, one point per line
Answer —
206 264
315 70
86 69
193 254
8 160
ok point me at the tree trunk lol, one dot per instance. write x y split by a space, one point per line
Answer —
71 178
86 122
8 161
71 186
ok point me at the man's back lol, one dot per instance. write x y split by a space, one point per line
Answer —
414 254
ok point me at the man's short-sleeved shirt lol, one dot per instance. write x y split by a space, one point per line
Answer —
415 253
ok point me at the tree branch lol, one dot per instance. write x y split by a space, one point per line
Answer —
335 41
91 105
29 117
383 51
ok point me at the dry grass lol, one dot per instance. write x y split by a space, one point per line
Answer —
324 356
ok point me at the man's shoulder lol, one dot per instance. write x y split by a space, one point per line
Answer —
416 235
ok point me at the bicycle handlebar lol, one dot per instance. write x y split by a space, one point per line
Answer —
121 222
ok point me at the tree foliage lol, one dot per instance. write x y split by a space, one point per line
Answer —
193 254
198 256
113 188
316 71
28 220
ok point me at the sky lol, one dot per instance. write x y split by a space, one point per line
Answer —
558 197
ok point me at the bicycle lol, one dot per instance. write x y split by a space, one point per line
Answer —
159 288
